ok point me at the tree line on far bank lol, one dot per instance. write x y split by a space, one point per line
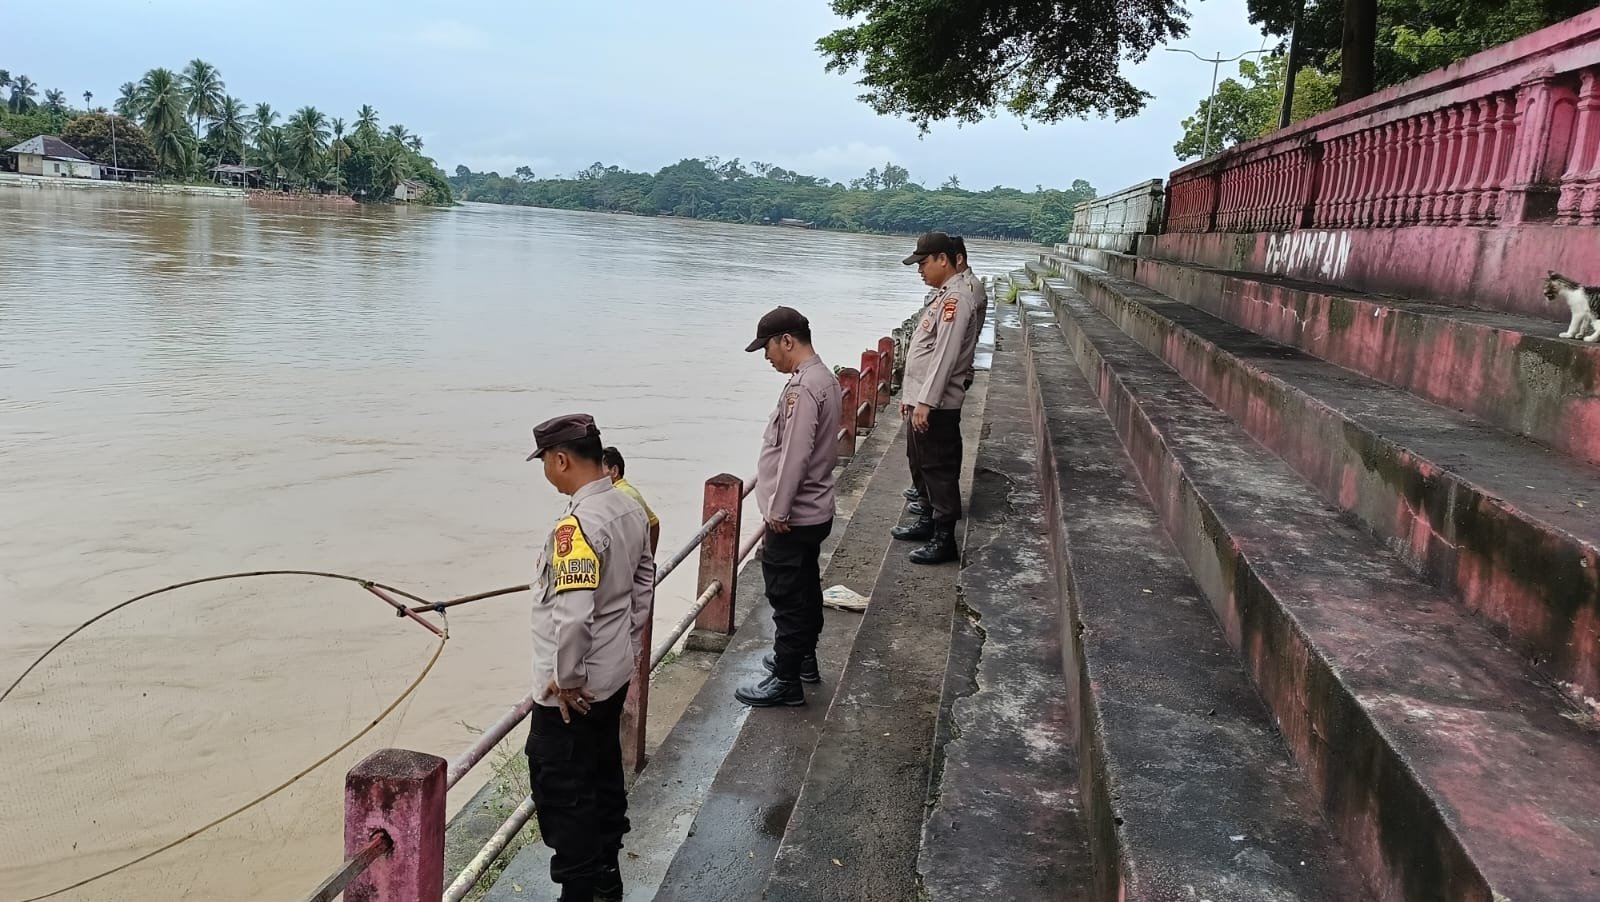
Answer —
883 200
181 124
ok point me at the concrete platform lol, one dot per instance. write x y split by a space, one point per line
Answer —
1510 527
857 824
1509 369
1445 767
728 851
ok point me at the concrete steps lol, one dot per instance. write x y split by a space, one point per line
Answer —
1445 767
1511 528
1105 742
1510 370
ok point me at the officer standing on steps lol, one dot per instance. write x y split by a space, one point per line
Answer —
938 370
594 588
919 504
794 489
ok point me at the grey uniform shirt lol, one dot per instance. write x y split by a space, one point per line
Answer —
593 593
969 347
794 477
942 346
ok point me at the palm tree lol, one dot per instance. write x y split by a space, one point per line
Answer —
308 138
263 119
415 143
202 87
55 103
389 167
273 155
164 103
5 79
129 105
88 98
228 128
23 90
366 124
338 152
398 133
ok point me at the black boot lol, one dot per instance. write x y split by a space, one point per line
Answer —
809 672
920 531
912 494
941 548
772 692
919 508
608 887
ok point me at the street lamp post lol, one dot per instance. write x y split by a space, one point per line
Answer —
1216 64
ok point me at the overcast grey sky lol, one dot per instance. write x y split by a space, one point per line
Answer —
556 86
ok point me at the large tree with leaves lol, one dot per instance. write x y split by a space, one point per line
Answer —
935 60
1248 106
111 139
203 89
1377 44
163 105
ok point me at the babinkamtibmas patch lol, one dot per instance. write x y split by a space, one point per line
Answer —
949 311
575 565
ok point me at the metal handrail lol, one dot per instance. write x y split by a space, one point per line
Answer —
485 859
354 867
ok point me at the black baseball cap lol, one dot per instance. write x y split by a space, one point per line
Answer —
778 321
560 430
930 244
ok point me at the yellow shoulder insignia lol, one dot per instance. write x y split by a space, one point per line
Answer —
574 564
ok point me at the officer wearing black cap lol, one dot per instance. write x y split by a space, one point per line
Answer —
939 364
594 590
794 490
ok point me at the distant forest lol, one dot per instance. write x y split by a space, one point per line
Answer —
884 200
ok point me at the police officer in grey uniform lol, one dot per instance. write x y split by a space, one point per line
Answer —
938 371
919 504
794 489
594 591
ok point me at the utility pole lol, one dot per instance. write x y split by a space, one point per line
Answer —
1216 65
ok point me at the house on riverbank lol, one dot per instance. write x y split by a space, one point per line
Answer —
49 156
409 190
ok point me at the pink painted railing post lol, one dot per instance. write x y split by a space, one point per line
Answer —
400 793
870 374
885 370
719 553
850 385
636 707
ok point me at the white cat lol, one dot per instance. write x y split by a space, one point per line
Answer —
1583 301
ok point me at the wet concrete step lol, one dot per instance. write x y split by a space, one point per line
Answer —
728 846
1510 527
857 825
1448 770
1511 370
1138 707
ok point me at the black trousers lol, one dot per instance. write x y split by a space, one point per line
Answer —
794 589
935 458
578 792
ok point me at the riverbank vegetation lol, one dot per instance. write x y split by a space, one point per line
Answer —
882 200
182 124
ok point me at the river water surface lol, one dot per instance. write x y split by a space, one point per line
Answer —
193 386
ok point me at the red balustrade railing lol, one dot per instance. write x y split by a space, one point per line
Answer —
395 799
1509 135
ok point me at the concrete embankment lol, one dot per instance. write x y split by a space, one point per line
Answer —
17 180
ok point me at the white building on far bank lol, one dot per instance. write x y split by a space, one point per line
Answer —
50 156
409 190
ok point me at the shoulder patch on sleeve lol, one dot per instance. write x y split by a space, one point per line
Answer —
950 310
790 399
574 563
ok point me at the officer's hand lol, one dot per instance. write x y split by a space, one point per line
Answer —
570 700
919 418
905 411
778 526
